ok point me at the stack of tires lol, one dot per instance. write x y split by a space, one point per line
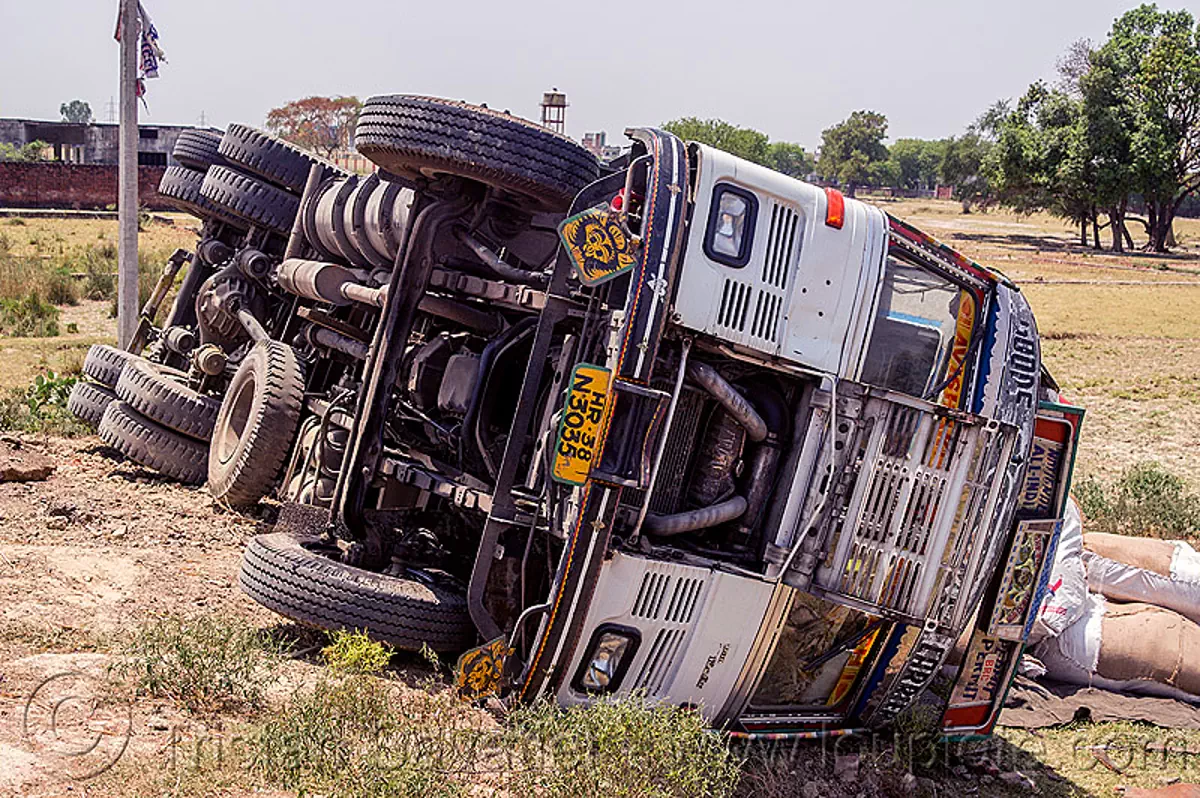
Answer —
246 186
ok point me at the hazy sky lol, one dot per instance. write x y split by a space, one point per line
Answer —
789 69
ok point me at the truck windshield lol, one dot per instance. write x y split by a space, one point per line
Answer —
920 318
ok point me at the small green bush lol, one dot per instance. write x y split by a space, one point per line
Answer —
28 317
355 652
60 289
41 407
15 221
1146 500
205 665
621 747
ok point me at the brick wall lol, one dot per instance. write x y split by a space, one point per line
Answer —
74 186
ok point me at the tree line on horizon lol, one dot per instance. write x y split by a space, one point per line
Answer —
1116 135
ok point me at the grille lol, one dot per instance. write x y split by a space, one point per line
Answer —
765 324
784 223
735 303
924 480
659 661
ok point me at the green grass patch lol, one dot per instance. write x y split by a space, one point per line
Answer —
28 317
41 407
205 665
1146 500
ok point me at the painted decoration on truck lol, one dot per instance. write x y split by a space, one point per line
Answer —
599 245
1023 583
578 440
982 682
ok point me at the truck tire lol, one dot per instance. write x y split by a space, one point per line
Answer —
272 158
250 199
256 425
197 149
89 400
291 576
104 364
161 395
153 446
412 136
181 186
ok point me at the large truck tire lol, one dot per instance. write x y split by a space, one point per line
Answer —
89 400
161 395
299 578
197 149
181 186
272 158
250 199
413 136
105 363
153 446
256 425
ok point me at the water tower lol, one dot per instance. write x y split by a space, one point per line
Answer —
554 110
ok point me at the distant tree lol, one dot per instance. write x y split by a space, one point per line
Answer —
1142 92
322 124
1073 65
26 153
743 142
76 111
1042 159
915 163
963 168
790 159
851 150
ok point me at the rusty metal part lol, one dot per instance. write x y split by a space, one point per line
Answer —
210 359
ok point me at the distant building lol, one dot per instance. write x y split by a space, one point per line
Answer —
94 143
597 144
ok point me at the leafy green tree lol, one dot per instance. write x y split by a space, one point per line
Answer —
1042 158
1143 96
743 142
916 162
790 159
851 150
26 153
76 111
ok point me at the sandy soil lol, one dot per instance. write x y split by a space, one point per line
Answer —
94 550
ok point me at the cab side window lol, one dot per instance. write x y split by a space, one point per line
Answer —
915 328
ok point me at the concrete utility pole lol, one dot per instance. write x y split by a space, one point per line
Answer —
127 197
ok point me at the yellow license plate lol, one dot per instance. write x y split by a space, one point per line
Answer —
579 430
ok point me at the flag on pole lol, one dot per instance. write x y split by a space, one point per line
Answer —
149 51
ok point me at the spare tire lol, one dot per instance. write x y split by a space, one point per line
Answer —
197 149
412 136
148 444
89 400
272 158
181 186
256 424
160 394
299 578
250 199
104 363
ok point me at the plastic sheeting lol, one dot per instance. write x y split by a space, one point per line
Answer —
1165 574
1067 594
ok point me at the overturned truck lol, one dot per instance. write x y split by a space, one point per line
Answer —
675 425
